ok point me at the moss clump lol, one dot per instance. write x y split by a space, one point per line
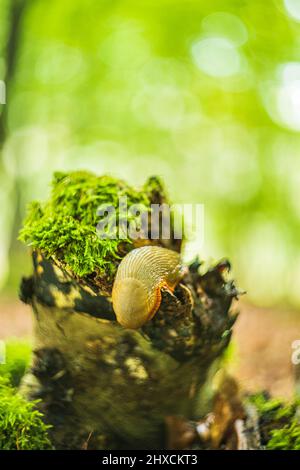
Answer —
279 422
65 226
18 355
21 426
287 438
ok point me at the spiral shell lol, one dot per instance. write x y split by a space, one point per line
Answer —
136 294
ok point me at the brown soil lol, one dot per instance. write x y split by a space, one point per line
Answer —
15 319
263 339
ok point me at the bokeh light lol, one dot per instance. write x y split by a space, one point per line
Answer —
293 8
216 56
227 25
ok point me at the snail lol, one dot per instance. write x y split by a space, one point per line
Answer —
136 294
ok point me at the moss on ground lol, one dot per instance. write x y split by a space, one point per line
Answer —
21 424
65 225
18 354
279 422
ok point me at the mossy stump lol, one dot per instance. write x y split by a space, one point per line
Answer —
101 385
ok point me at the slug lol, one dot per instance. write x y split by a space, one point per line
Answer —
136 294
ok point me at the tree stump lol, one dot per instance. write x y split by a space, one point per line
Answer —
102 386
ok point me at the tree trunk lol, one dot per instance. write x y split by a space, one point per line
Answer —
103 386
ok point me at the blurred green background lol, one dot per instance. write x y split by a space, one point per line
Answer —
204 94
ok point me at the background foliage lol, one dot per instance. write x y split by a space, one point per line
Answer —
204 94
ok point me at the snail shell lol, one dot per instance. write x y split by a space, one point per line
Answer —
136 294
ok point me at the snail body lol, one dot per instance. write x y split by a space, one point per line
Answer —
136 294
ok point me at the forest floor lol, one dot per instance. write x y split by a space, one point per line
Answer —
262 340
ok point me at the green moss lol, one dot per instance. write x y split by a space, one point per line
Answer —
279 422
65 225
286 438
18 353
21 425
